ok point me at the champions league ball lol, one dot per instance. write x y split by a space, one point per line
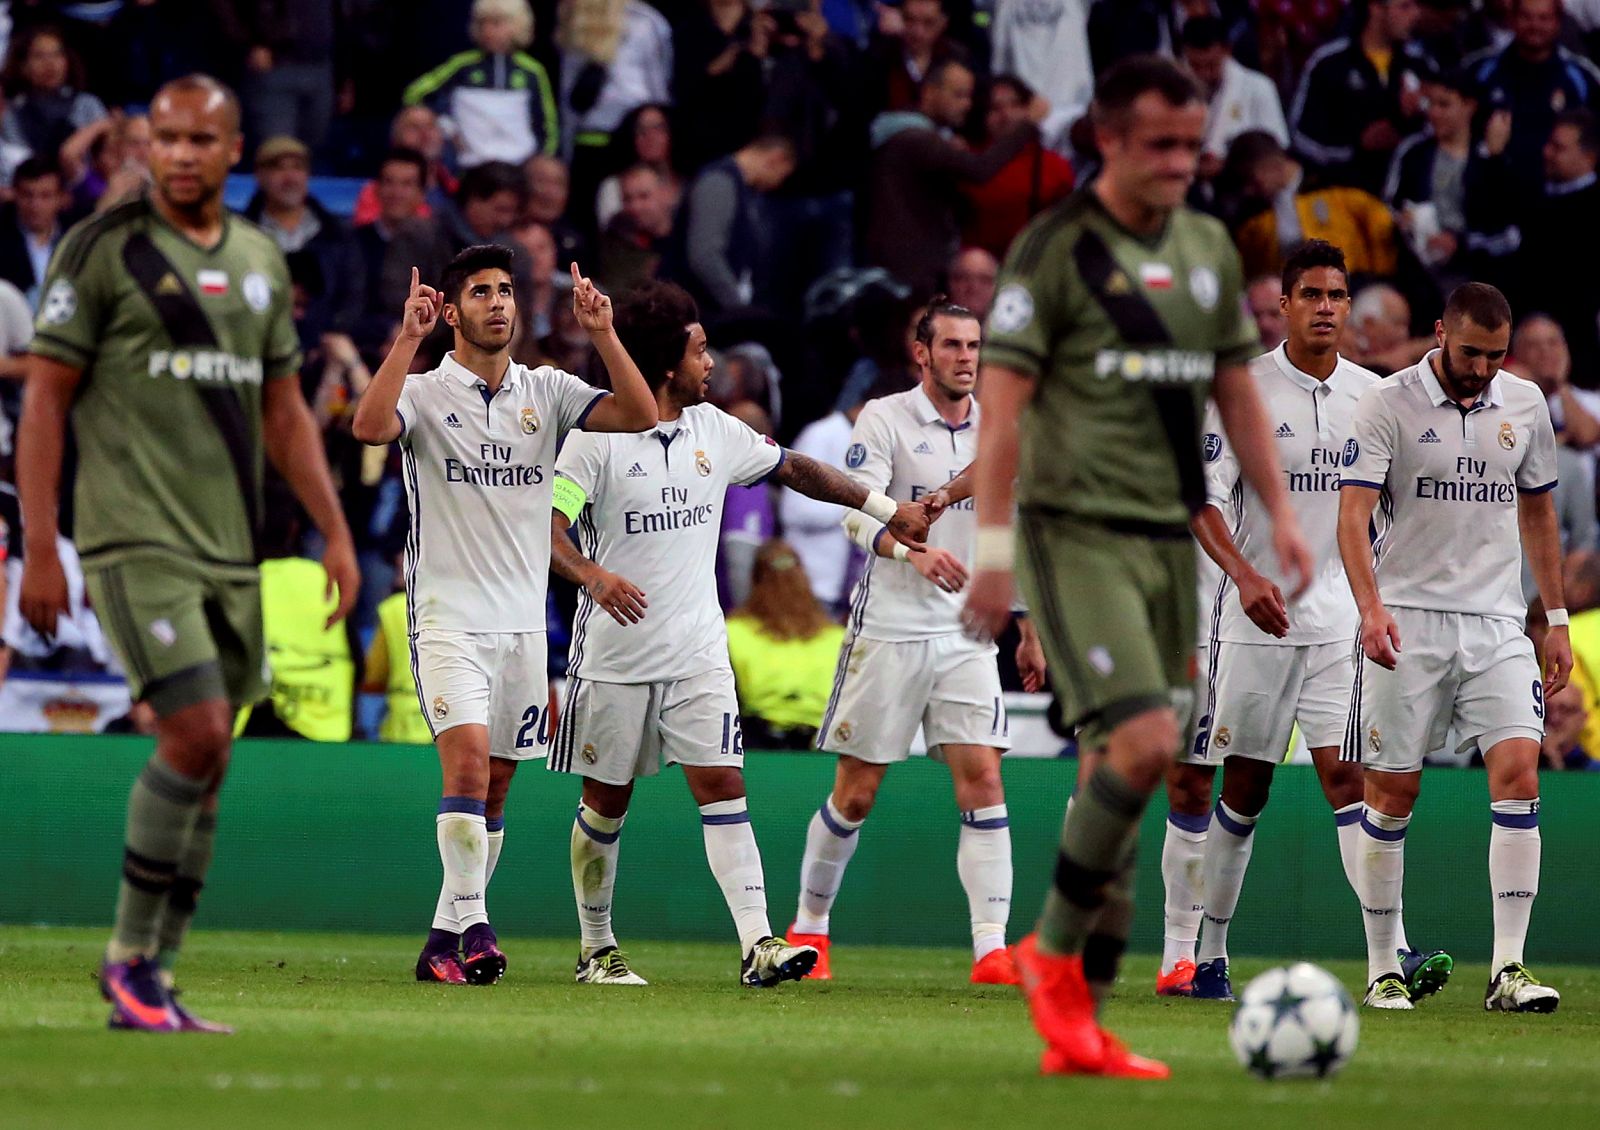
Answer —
1293 1022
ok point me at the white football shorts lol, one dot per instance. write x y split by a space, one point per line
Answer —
494 679
1477 673
882 691
617 732
1257 692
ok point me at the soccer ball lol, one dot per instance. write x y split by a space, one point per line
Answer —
1296 1021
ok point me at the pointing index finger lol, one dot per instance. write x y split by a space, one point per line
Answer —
416 281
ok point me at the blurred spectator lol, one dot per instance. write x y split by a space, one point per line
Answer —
721 234
917 172
721 51
415 128
644 138
783 648
1559 230
971 279
1262 295
1033 180
284 208
887 363
1047 47
287 49
1358 97
536 305
1349 218
1456 200
813 527
31 225
1534 78
616 55
495 99
748 520
385 279
1566 718
46 100
634 240
548 187
388 672
1237 98
1539 353
1380 331
911 41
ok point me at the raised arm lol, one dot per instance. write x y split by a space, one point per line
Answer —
377 418
40 440
632 406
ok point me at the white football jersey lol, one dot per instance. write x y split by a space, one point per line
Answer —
1310 421
654 516
903 447
1446 524
479 470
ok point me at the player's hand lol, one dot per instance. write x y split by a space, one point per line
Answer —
909 526
935 502
1294 555
1263 602
617 595
422 309
43 597
344 578
1380 638
1030 658
591 306
988 604
1557 662
941 567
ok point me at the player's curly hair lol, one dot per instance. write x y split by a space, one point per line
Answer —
653 323
1310 255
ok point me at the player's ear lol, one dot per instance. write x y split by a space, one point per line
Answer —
450 314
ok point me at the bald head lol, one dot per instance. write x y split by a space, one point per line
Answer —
213 96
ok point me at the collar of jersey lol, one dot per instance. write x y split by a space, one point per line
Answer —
467 377
928 412
1490 398
1302 378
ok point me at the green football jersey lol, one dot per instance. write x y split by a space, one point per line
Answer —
1124 334
175 342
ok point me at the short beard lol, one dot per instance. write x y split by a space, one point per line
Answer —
484 345
1455 386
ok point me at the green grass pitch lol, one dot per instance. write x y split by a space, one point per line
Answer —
333 1032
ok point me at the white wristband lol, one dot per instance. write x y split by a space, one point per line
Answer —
901 551
880 506
1556 617
994 550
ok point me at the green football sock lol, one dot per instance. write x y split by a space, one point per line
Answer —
162 809
1094 840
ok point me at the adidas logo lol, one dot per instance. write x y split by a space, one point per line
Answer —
637 472
450 421
923 448
1284 432
1428 437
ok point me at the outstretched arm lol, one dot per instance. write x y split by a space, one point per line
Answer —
907 522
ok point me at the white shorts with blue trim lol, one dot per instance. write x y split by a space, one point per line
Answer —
883 690
1476 673
1256 693
618 732
494 679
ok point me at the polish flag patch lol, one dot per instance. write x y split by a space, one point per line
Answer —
216 282
1155 276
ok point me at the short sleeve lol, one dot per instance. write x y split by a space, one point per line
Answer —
407 409
1370 448
1017 335
75 300
1238 340
572 400
1221 466
281 357
582 463
1537 473
751 456
869 459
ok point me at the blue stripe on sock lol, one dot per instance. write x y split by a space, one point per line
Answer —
1516 819
1385 834
469 805
834 826
594 834
1345 819
1229 824
1187 823
967 821
495 823
726 818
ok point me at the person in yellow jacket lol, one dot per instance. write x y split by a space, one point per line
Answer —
783 648
388 672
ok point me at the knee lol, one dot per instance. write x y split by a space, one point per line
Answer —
1189 789
198 741
1142 748
712 785
1520 782
1393 794
610 801
1246 786
499 785
854 793
1342 784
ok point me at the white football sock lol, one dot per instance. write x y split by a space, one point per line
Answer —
464 851
1514 850
1347 825
830 842
736 862
594 875
1181 854
983 860
497 840
1382 872
1228 846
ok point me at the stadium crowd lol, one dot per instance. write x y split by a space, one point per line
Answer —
813 171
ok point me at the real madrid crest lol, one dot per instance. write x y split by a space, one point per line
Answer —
1374 740
530 421
1508 437
1223 738
843 731
701 463
588 754
441 708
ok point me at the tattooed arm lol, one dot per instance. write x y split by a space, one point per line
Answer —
805 475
